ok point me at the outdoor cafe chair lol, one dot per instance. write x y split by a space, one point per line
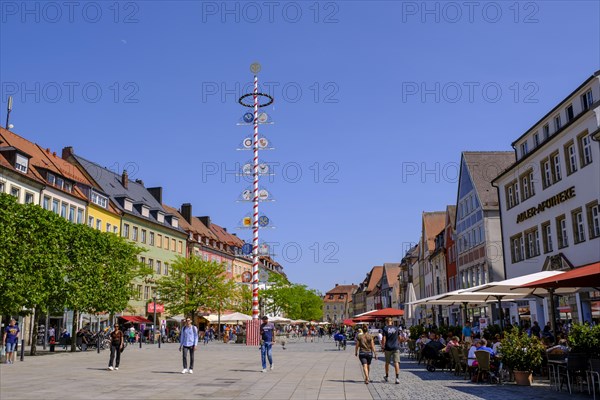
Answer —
574 369
412 349
483 364
460 363
554 360
594 373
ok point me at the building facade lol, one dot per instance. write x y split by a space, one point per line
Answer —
337 303
549 198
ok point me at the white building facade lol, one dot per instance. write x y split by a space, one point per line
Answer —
549 198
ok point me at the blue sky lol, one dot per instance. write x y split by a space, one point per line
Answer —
365 92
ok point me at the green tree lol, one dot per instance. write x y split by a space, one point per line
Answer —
195 283
243 299
296 301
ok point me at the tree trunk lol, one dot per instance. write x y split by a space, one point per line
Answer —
74 330
34 329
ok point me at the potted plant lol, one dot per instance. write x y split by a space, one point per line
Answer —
521 354
583 339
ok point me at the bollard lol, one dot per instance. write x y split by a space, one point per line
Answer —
22 349
159 339
98 344
140 339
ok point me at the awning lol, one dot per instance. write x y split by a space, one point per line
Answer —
387 312
515 285
136 319
585 276
348 322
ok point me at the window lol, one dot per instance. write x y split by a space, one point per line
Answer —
166 271
99 200
45 202
135 234
509 196
173 245
108 226
517 248
90 221
151 238
146 292
1 187
158 267
593 217
63 210
99 224
126 231
531 183
80 215
578 225
516 190
15 192
180 247
115 229
585 148
50 178
527 185
557 174
143 260
524 149
151 264
28 198
546 130
547 236
557 123
55 205
561 230
143 239
587 100
166 243
536 139
532 243
139 292
159 241
570 114
546 173
571 158
72 214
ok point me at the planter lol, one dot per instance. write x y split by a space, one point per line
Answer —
523 378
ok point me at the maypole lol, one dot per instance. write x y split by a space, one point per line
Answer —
252 337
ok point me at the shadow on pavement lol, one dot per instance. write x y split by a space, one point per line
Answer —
98 369
166 372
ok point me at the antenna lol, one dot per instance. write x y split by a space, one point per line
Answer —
8 110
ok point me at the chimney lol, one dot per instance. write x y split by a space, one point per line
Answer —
156 192
124 179
336 285
67 152
225 229
186 212
205 220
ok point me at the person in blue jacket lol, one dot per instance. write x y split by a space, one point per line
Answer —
188 340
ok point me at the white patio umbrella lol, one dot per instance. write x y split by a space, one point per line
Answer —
410 297
279 319
235 317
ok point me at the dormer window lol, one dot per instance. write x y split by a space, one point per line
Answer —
51 178
21 163
99 200
145 211
128 204
175 222
160 217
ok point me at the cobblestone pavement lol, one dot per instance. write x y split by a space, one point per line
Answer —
230 371
418 383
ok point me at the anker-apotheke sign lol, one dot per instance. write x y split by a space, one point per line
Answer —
549 203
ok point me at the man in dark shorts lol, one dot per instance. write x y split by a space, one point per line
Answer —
365 351
391 346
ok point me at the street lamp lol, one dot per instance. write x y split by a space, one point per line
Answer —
154 327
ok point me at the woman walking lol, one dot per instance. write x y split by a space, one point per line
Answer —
116 346
365 351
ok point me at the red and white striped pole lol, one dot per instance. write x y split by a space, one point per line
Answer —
255 310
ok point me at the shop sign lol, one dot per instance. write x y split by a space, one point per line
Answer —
548 203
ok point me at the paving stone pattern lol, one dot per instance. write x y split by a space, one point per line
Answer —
230 371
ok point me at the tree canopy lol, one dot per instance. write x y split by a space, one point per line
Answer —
295 300
194 284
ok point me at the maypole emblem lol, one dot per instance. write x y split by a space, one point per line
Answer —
255 68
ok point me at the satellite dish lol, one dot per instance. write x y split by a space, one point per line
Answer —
263 117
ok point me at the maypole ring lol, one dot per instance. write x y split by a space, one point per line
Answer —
241 100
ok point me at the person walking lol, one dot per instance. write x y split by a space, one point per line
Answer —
188 340
266 343
10 339
391 346
365 351
116 346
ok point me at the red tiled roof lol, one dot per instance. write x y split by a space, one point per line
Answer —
374 278
433 223
391 272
